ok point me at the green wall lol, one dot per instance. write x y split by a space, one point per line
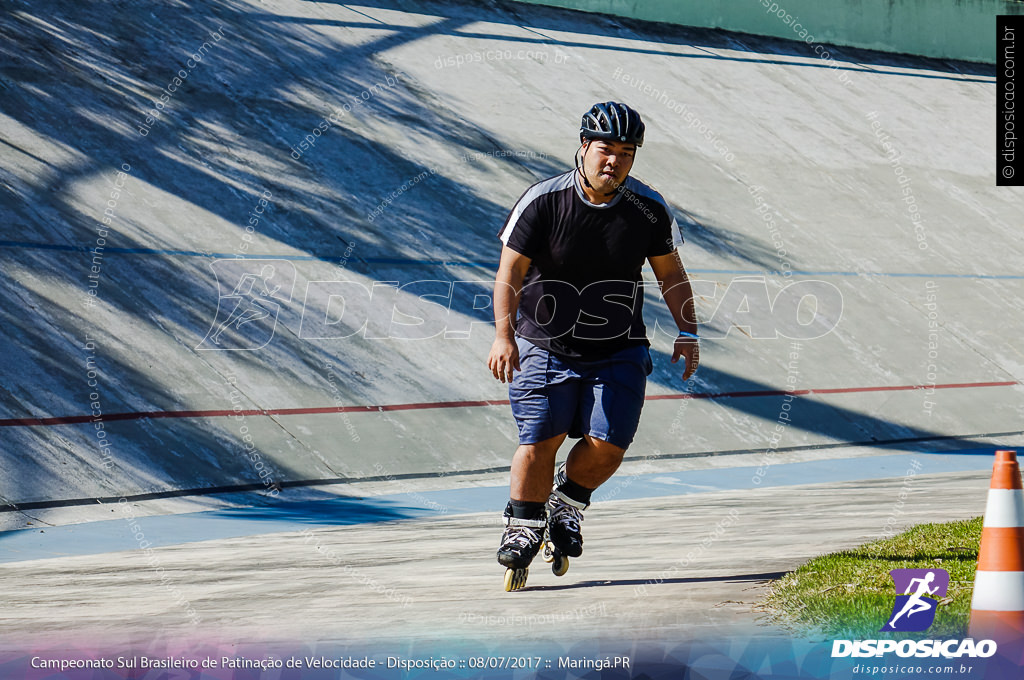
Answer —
948 29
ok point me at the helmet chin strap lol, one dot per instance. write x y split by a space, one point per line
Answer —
579 167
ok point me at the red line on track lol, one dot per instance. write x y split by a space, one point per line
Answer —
141 415
828 390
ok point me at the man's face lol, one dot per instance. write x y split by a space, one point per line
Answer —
607 163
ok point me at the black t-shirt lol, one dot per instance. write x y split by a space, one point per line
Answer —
582 297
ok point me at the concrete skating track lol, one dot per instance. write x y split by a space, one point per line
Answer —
870 183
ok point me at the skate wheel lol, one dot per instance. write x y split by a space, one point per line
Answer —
515 579
549 552
559 565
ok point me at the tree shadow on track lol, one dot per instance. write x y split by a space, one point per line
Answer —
336 511
78 86
193 154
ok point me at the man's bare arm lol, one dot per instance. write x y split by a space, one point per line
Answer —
508 283
678 294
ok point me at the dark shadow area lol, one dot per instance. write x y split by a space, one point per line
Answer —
739 578
342 511
335 511
970 556
52 56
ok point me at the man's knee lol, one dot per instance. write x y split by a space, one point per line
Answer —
603 447
547 447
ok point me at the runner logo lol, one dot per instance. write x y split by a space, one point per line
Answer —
251 295
917 590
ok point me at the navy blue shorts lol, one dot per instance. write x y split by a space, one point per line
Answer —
551 395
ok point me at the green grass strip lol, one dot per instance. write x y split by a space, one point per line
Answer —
850 594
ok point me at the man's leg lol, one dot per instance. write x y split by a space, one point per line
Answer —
609 412
543 395
592 462
533 467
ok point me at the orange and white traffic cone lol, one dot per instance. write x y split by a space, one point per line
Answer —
997 607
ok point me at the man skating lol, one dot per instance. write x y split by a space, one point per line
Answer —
570 338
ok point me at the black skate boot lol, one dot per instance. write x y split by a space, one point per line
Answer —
520 543
564 518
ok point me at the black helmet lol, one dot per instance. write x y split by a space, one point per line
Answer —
613 122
